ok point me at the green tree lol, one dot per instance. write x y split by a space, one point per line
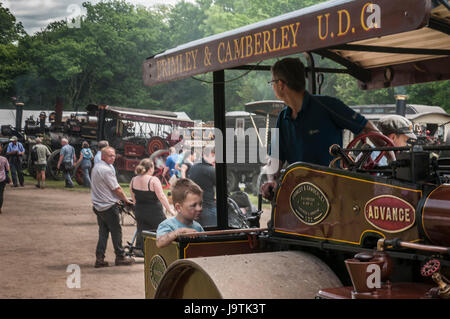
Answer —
184 22
434 93
10 30
224 15
348 91
11 65
99 62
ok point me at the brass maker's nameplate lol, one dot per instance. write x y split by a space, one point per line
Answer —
309 203
157 268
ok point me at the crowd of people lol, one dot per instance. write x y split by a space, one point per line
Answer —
308 122
151 205
152 209
12 163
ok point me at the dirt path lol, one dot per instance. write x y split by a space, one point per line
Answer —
42 232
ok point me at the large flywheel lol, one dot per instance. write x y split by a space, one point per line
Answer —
52 170
155 144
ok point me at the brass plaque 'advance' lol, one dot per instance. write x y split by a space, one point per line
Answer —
309 203
390 213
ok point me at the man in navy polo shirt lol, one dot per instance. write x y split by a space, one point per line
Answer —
309 124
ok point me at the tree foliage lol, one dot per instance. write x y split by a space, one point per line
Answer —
100 61
10 61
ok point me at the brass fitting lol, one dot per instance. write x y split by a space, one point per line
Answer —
443 283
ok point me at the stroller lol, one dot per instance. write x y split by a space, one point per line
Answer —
130 249
241 212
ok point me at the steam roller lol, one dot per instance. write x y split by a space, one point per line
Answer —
274 275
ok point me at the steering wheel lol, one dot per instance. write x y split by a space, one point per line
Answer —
370 163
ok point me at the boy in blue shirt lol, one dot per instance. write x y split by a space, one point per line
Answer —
187 199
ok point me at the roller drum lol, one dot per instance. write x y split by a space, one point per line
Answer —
274 275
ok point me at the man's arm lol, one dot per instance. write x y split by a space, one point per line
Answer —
21 152
60 161
119 193
9 150
369 128
273 169
273 172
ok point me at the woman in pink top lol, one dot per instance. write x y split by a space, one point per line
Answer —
4 171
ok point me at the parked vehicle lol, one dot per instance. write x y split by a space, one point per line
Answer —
251 141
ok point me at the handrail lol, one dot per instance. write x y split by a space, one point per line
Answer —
214 232
226 232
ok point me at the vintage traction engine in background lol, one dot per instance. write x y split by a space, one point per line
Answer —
135 133
51 128
138 134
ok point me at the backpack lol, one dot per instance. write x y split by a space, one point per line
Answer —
87 154
34 154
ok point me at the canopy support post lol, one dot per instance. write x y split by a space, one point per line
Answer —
311 74
221 169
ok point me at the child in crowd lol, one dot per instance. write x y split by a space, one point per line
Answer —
187 199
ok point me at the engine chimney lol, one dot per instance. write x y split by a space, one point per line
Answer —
101 122
400 105
42 117
19 115
59 106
